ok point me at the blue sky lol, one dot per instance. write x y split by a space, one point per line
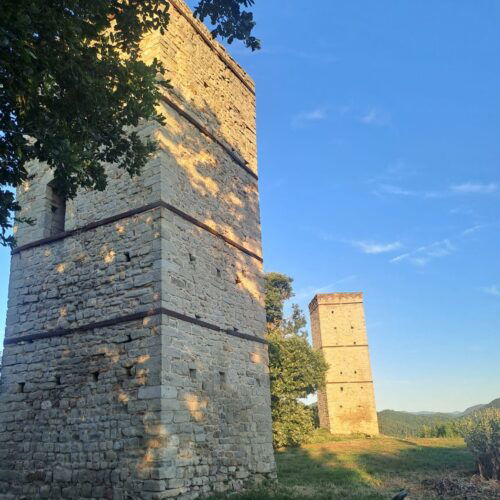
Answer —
379 157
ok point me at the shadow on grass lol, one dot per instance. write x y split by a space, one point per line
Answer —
323 474
417 462
322 477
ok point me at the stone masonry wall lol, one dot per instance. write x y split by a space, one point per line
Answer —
77 412
347 403
134 364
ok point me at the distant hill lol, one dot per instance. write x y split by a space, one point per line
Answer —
406 424
472 409
493 404
454 413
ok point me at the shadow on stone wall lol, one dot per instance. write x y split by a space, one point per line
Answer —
83 379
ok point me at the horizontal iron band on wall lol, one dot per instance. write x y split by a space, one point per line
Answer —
225 59
353 382
340 303
313 307
127 319
350 345
241 163
131 213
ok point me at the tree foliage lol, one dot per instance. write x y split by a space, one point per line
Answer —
443 430
481 432
229 20
404 424
73 87
296 370
278 288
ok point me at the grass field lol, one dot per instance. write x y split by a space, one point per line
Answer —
362 468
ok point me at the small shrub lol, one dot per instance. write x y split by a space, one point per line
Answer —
481 432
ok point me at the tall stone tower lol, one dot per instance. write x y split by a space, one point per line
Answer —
135 365
347 403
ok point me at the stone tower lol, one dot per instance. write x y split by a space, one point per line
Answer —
135 365
347 403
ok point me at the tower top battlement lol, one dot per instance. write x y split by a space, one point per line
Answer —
335 298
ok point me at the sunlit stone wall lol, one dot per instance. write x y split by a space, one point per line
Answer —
134 363
346 404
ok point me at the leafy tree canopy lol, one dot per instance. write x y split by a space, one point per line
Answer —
72 86
296 370
278 288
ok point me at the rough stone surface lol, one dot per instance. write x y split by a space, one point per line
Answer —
159 406
347 403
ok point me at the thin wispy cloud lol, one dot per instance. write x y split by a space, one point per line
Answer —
475 188
371 247
315 115
375 116
425 254
453 190
473 229
441 248
390 189
492 290
462 211
323 235
310 291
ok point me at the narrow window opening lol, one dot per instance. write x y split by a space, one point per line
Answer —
354 343
58 380
222 378
129 371
341 406
237 280
258 381
95 376
218 273
192 374
56 213
341 388
127 256
20 386
355 371
341 373
129 339
192 258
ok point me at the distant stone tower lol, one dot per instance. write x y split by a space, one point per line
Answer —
347 403
134 364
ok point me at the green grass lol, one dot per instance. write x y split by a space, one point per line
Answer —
362 468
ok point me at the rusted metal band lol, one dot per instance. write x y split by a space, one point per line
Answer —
352 382
207 228
241 163
131 213
62 332
87 227
335 346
